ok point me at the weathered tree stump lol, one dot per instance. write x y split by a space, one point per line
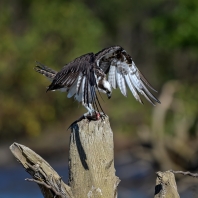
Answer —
91 160
91 164
166 186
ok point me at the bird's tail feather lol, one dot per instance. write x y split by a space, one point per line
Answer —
46 71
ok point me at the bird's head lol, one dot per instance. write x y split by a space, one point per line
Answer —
108 94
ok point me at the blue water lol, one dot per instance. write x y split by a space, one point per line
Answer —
136 181
13 184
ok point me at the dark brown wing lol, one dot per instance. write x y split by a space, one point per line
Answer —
70 72
78 79
122 71
104 57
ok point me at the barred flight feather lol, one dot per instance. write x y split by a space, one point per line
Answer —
131 87
112 76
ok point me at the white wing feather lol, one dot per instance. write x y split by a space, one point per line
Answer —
131 87
135 81
78 81
132 78
123 71
120 82
72 90
123 86
112 76
80 97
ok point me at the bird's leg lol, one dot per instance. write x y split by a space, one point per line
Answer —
102 115
89 108
91 114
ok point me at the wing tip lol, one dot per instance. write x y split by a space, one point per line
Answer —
158 101
37 67
143 78
141 102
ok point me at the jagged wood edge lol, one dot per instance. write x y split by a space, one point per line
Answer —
166 186
50 183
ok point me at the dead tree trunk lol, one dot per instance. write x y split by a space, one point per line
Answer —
91 164
166 186
42 173
91 160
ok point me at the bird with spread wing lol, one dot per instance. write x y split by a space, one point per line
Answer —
91 73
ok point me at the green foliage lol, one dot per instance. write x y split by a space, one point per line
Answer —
160 35
53 33
175 24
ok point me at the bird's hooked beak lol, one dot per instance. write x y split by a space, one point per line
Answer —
109 95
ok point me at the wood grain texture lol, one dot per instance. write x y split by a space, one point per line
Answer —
43 174
91 160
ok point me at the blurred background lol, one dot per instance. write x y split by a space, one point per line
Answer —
162 38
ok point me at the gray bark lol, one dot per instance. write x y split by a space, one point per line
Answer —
91 160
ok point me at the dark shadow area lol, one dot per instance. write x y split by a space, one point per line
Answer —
80 148
158 188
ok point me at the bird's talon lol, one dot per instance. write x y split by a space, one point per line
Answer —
102 115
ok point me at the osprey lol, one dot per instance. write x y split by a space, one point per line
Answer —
91 73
